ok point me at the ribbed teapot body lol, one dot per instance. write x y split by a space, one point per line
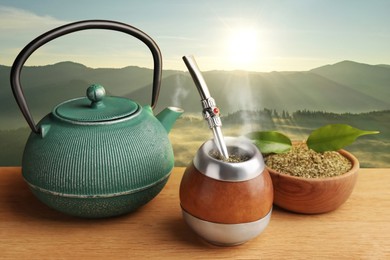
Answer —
96 161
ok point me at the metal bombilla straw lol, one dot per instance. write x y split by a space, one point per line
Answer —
210 110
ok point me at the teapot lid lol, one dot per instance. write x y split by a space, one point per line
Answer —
96 107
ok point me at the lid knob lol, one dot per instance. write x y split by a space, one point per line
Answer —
96 93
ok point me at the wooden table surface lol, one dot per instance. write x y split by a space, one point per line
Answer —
360 229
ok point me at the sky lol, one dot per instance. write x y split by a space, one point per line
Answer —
254 35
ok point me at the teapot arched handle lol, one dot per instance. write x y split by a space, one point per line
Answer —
73 27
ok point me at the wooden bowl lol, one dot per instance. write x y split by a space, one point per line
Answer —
317 195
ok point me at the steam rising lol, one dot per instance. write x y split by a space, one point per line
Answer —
180 93
240 97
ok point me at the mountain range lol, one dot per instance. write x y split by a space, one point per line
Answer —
342 87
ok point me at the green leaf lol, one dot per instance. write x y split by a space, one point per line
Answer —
270 141
334 137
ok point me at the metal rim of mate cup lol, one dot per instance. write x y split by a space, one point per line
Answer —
227 234
232 172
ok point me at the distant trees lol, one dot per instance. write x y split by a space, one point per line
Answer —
243 116
260 116
299 114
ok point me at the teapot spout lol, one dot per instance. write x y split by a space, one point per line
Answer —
168 117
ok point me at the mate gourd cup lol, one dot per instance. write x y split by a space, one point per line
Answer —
227 203
97 156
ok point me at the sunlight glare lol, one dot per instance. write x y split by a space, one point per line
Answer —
243 47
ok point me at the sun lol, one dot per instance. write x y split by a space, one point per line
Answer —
243 47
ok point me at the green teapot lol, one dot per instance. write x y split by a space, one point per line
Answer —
97 156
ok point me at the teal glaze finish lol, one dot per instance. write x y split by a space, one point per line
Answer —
98 159
99 168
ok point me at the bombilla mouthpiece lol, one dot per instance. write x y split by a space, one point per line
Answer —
197 77
210 110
